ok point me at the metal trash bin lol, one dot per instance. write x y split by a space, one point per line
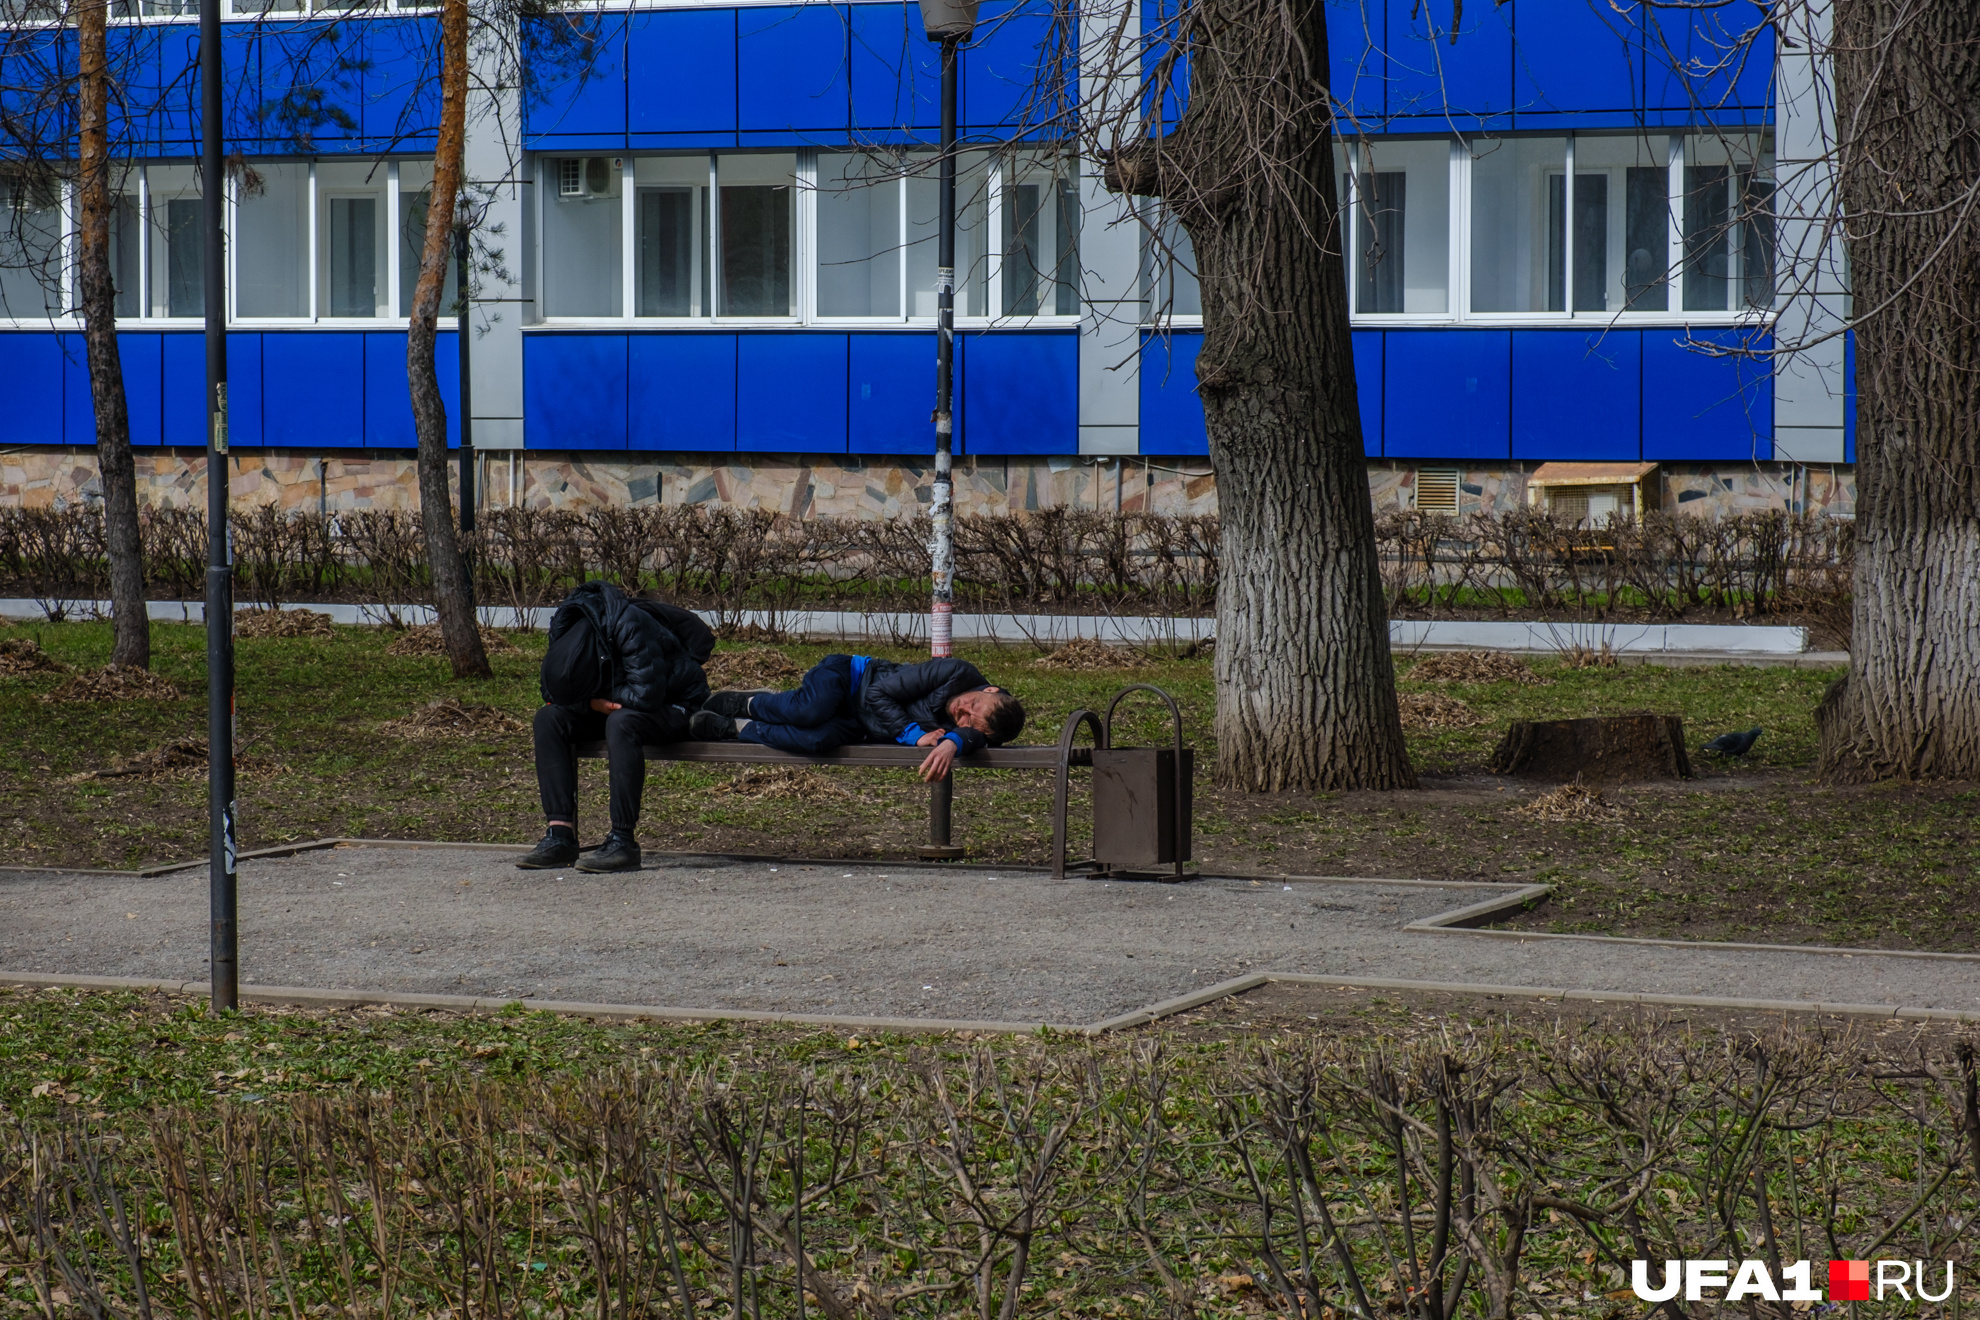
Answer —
1143 799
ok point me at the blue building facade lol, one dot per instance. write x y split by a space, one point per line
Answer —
709 230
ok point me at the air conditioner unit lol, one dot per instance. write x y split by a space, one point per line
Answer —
581 178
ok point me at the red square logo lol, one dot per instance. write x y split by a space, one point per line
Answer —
1849 1280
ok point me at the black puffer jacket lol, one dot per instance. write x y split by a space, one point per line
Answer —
897 699
650 667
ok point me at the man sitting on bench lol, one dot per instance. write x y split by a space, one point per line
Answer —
944 705
624 670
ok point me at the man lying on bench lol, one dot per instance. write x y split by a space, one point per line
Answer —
944 705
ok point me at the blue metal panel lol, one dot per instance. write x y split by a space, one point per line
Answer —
1576 57
1160 21
1000 67
182 393
1368 388
683 86
313 389
388 419
1171 413
1577 394
141 355
78 413
890 394
309 95
582 104
400 101
896 73
1444 393
33 362
1021 393
1698 407
791 393
133 52
681 391
574 391
1357 45
1469 80
791 73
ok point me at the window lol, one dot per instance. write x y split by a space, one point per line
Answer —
123 248
1397 225
30 248
351 260
1041 237
757 206
671 275
1518 224
1437 490
176 285
415 191
582 218
1171 282
862 225
1622 224
271 240
1728 224
973 180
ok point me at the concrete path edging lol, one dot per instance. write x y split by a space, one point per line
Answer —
1636 640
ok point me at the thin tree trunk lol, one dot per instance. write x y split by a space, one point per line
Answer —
131 637
453 592
1908 85
1306 694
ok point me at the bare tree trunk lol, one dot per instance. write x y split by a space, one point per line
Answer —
453 592
1908 85
131 643
1306 694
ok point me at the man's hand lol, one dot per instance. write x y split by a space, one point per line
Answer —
929 739
604 707
938 762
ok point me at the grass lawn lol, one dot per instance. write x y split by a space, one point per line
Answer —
1750 851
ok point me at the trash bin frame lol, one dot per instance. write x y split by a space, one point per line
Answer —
1103 740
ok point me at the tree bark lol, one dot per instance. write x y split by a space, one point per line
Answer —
1907 88
116 468
453 591
1306 694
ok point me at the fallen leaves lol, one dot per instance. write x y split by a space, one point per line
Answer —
755 666
780 781
23 655
450 717
1570 802
281 623
179 757
1434 710
1083 654
425 640
115 683
1474 667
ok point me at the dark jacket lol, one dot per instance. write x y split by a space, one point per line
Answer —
651 669
686 625
897 700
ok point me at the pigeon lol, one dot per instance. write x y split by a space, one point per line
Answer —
1734 744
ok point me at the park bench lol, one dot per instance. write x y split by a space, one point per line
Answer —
941 793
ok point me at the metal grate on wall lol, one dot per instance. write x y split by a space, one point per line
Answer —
1437 490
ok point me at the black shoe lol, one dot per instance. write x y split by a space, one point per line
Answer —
710 726
619 852
559 848
731 702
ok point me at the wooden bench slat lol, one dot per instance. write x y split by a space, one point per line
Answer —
868 754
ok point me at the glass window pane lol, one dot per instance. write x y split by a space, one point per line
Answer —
1400 226
123 247
175 283
1728 223
350 235
1707 237
859 235
581 236
415 191
30 248
1170 279
758 209
1622 223
671 278
271 240
972 233
1517 224
1041 237
1756 234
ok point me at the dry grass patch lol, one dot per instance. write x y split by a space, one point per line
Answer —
425 639
181 758
115 683
1084 655
281 623
782 781
450 717
757 666
1434 710
1590 657
1474 667
20 656
1570 802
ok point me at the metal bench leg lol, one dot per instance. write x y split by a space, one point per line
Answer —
941 810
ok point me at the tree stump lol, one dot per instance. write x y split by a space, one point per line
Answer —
1611 749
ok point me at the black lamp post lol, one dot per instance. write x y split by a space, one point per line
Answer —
223 935
950 23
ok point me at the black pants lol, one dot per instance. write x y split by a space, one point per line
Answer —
560 728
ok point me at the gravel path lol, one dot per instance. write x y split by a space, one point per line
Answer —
854 939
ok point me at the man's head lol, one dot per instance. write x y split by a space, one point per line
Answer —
991 711
573 669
